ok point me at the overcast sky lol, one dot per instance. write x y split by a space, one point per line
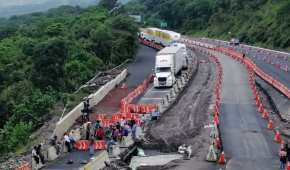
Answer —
5 3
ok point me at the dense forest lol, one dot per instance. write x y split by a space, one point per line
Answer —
46 56
261 22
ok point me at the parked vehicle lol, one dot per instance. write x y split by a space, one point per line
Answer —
234 41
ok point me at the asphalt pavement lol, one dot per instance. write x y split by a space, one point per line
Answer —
78 157
278 74
142 66
255 53
247 143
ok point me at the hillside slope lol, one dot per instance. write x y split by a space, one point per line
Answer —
262 22
45 57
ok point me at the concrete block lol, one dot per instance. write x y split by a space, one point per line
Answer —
116 151
51 153
179 84
168 97
175 90
183 80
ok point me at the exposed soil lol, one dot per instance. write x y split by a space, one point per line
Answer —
184 122
278 107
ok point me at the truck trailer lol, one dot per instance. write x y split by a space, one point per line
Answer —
168 63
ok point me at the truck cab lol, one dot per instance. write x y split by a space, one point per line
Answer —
164 73
168 62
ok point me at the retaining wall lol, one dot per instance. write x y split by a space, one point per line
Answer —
68 120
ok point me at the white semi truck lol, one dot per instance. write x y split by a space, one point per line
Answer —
169 61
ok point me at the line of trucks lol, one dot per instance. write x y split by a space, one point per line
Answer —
171 59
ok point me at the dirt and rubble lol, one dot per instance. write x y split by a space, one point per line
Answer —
278 106
184 122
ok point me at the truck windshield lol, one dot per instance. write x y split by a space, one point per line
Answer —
162 69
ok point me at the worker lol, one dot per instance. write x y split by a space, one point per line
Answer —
287 149
181 149
188 152
92 147
110 144
72 137
35 156
99 133
283 158
88 131
84 113
67 142
39 153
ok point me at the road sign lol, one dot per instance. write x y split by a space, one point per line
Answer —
163 24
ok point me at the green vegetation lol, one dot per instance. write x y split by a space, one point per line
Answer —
263 22
44 57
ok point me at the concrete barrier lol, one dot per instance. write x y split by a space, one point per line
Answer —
98 162
67 121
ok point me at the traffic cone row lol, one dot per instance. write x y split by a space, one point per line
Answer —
217 143
261 109
258 103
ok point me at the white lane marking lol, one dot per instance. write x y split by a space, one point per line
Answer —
156 91
151 98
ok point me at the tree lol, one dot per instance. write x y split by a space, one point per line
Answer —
101 42
49 59
108 4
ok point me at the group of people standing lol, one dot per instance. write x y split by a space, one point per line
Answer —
284 155
38 156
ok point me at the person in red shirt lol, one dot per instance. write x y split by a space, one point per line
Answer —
100 133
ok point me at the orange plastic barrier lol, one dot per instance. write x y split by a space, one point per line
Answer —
24 166
101 116
100 145
127 107
85 144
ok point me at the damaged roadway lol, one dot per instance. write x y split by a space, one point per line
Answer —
184 121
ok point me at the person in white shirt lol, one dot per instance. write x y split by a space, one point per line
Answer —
67 142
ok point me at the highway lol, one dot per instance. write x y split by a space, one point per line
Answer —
247 142
142 66
256 54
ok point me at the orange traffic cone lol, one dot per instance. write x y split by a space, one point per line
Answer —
270 124
217 143
265 114
261 108
287 166
257 102
222 159
277 137
216 120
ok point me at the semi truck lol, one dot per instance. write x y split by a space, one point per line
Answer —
159 36
168 63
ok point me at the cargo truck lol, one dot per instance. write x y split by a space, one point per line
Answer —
168 63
